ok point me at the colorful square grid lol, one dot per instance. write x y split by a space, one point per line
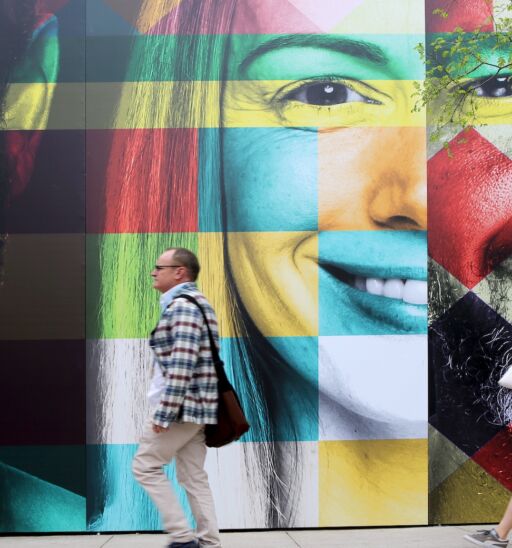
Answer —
277 139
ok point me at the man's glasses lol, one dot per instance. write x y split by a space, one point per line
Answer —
162 266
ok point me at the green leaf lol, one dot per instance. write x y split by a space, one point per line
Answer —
442 13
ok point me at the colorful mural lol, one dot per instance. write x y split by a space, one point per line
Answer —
278 140
42 297
470 294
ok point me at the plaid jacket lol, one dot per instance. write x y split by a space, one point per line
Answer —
182 348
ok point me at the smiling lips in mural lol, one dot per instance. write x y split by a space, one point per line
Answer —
394 294
379 277
364 278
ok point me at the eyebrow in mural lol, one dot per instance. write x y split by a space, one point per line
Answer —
355 48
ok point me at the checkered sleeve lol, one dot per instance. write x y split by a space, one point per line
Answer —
177 341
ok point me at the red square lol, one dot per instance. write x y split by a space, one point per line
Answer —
142 181
467 14
469 207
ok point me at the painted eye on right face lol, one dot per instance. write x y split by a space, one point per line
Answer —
492 96
492 87
326 94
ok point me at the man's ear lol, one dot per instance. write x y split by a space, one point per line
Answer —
28 101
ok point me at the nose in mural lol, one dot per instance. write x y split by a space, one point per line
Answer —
470 207
372 220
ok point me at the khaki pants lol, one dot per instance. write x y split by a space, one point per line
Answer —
185 442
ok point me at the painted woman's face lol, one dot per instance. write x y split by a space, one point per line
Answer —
470 240
325 182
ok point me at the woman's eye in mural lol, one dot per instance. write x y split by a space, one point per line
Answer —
492 87
326 93
329 102
490 99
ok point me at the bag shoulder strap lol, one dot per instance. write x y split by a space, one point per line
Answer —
217 362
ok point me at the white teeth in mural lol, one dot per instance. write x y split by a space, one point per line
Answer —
375 286
394 288
415 292
410 291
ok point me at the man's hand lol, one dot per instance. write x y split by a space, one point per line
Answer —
158 429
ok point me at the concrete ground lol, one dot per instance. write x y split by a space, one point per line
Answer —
410 537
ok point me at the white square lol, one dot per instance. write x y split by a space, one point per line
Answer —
373 387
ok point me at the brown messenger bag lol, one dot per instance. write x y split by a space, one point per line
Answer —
231 421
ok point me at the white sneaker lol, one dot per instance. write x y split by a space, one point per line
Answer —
486 538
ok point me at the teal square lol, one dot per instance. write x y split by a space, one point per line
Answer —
277 381
349 258
116 502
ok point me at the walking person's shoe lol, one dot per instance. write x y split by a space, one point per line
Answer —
487 538
191 544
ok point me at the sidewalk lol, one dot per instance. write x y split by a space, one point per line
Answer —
411 537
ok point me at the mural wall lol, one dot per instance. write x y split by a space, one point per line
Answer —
277 139
470 293
42 298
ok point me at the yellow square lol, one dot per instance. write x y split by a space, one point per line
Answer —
275 280
373 482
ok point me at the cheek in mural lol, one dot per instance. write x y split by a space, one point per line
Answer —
271 184
470 208
326 203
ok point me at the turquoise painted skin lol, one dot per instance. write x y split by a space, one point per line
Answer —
292 57
127 506
296 418
255 203
32 505
300 420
